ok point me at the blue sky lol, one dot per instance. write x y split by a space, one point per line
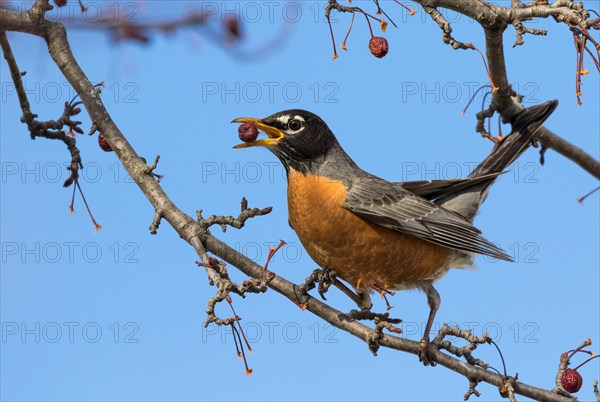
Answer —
118 314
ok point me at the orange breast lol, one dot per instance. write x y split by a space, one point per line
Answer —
364 254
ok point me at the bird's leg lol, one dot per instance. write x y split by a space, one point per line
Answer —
362 299
433 299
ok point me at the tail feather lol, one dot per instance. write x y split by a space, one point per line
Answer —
524 127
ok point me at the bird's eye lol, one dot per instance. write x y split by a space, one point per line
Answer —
295 125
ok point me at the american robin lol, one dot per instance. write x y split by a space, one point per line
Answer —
379 235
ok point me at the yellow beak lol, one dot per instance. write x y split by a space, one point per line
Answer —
274 134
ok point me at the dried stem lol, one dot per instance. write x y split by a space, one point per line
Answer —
196 233
565 360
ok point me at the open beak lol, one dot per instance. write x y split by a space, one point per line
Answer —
274 134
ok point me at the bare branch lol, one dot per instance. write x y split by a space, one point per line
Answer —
334 317
158 215
196 232
218 275
444 25
227 33
494 19
50 129
508 105
238 223
520 29
464 351
472 391
481 117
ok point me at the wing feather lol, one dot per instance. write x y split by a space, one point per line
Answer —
394 207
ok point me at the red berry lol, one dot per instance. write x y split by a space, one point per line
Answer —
571 380
248 132
103 144
378 46
60 3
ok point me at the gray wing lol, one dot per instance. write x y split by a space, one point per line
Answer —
391 206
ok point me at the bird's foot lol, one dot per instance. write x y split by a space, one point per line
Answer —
325 277
424 355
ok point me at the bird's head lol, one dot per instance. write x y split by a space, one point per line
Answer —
295 136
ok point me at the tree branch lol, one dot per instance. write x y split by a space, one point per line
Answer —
50 129
363 332
494 20
507 102
197 234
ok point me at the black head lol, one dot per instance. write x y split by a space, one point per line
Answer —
298 137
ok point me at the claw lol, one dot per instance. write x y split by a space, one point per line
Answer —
424 356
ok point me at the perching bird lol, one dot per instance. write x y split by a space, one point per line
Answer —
379 235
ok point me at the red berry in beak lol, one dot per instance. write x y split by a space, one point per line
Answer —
248 132
103 144
378 46
571 380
